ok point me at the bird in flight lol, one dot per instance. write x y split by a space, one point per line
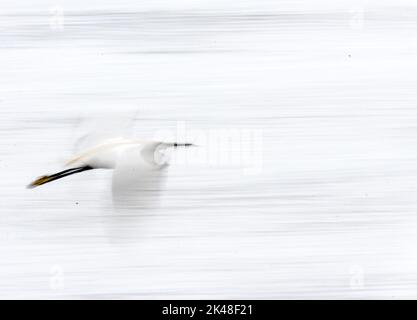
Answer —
106 154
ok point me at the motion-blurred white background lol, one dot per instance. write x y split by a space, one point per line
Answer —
322 205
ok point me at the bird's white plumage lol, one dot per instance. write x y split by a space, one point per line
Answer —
106 154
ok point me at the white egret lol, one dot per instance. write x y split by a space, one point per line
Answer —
105 156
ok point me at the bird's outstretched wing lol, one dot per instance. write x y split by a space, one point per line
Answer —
95 129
